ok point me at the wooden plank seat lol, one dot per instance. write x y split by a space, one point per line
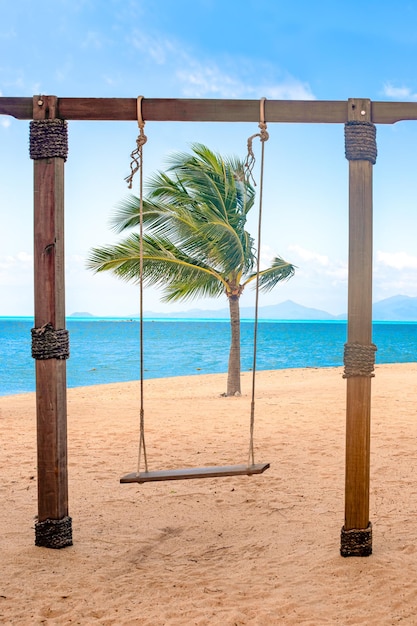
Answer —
213 471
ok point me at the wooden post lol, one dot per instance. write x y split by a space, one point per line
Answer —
357 531
53 527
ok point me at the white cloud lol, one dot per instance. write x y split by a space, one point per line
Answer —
92 40
157 48
394 273
200 80
20 260
396 260
17 269
400 93
289 89
204 78
337 273
309 255
24 258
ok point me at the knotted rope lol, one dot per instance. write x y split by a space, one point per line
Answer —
137 154
48 343
263 136
360 141
48 139
249 165
137 165
359 360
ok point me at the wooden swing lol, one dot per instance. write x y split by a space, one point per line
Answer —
213 471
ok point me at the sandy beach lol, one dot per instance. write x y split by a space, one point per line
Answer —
259 550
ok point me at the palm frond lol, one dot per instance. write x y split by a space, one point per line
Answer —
163 266
194 237
279 271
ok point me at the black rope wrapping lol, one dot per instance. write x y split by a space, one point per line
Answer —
359 360
48 139
356 542
54 533
48 343
360 141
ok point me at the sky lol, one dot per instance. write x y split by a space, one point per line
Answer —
299 50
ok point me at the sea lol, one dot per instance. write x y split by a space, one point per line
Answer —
105 350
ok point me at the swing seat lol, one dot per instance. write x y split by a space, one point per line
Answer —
213 471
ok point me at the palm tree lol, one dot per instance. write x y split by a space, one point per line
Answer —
194 239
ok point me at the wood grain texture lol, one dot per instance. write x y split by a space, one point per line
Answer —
358 403
209 110
49 291
213 471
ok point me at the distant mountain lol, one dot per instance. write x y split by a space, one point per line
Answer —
287 310
394 309
397 308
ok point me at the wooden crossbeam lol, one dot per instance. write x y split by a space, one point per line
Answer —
209 110
213 471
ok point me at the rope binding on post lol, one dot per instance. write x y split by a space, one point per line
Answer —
360 141
48 343
52 533
48 139
359 360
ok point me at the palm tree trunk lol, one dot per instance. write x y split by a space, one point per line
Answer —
233 377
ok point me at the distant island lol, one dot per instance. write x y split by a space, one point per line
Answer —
395 309
81 314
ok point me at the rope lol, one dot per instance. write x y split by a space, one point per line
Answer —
48 343
359 360
360 141
263 136
48 139
136 154
137 165
356 542
54 533
249 165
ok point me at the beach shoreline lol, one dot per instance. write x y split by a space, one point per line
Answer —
259 550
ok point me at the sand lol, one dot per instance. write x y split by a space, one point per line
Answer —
231 551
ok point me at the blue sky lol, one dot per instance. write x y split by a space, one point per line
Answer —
304 50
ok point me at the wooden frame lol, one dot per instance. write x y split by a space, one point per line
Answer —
49 280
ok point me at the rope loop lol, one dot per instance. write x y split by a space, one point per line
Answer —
360 141
263 136
48 139
359 360
137 154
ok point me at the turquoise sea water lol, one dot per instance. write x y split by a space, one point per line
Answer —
107 350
